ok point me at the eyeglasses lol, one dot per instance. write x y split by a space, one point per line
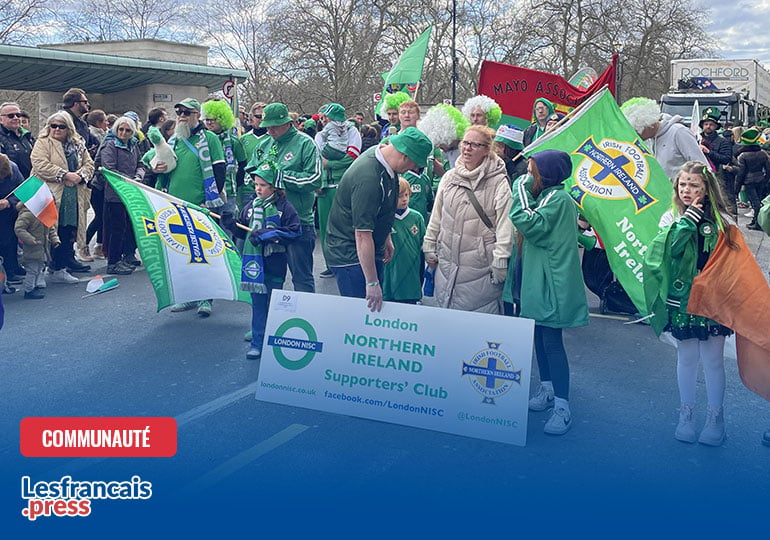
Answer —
58 126
125 130
257 116
12 115
474 145
82 101
184 112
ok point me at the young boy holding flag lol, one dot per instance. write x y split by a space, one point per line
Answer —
274 223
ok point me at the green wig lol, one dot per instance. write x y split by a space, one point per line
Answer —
443 124
393 101
219 111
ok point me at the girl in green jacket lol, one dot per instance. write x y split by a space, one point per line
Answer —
553 293
689 233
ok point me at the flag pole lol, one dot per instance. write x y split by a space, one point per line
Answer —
173 199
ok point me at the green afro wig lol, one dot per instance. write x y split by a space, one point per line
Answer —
393 101
219 111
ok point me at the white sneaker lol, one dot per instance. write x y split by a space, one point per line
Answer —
62 276
713 433
559 422
542 400
685 429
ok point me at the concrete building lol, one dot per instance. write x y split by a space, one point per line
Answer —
118 76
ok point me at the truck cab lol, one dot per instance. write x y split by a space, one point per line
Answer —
735 108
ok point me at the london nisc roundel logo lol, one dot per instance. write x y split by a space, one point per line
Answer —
280 341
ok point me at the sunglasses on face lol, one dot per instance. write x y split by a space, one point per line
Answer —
184 112
58 126
257 116
12 115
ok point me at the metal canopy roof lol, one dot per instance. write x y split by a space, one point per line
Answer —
29 68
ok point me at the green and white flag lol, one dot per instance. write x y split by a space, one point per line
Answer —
186 254
618 185
407 71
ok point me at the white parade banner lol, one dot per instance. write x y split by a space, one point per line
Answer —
426 367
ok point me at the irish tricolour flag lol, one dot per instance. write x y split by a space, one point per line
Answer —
36 196
186 255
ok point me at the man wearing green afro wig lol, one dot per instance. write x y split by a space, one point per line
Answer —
219 118
389 110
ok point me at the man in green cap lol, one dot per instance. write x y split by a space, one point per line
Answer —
717 150
199 175
296 157
358 232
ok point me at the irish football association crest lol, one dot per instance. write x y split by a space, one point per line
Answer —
491 373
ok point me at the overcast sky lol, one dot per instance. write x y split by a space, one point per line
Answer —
741 28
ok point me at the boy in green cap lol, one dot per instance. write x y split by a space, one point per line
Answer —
274 225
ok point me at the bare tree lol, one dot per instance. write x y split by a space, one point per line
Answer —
18 16
87 20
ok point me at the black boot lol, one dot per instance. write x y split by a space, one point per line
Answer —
75 266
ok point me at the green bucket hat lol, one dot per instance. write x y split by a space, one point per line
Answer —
414 144
190 103
750 136
335 112
712 114
275 114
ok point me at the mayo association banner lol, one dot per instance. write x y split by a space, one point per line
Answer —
451 371
515 89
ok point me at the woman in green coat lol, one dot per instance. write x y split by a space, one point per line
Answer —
552 293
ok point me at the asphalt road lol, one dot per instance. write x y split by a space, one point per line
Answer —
246 466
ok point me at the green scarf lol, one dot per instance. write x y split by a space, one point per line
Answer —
232 166
264 215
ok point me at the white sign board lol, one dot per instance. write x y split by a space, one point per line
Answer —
452 371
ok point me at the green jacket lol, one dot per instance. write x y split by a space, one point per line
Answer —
297 157
552 291
671 264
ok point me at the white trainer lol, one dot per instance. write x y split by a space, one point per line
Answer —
62 276
685 429
713 433
542 400
559 422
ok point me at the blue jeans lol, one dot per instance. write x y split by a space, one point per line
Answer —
260 303
351 281
300 259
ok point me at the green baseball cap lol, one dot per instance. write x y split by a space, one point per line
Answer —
275 114
414 144
190 103
335 112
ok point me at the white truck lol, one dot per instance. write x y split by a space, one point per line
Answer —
739 88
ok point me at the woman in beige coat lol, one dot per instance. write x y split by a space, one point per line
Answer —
60 159
470 247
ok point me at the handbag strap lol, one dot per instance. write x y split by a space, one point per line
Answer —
479 210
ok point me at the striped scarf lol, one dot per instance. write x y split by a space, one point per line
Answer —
264 215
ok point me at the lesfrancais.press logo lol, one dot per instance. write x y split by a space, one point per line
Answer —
72 498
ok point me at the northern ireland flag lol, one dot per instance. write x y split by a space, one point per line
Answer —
186 254
36 196
616 183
